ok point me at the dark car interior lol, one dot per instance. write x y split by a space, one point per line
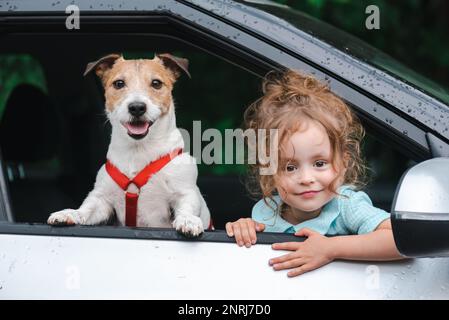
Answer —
54 142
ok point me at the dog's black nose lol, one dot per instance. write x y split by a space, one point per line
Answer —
137 109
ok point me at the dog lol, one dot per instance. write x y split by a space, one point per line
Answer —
147 180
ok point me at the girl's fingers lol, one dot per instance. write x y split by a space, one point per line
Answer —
293 263
237 234
286 257
229 230
300 270
251 225
292 246
244 229
305 232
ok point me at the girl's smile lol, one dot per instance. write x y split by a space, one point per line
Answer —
308 194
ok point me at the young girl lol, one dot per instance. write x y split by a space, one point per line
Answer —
314 191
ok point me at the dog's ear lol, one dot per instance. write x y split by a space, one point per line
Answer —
175 64
102 64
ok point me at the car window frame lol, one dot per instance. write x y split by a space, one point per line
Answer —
121 232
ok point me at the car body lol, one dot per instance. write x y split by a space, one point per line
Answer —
40 261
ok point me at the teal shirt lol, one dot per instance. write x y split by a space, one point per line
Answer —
352 215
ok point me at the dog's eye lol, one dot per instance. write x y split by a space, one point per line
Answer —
156 84
118 84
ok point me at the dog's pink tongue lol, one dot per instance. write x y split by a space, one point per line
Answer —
137 127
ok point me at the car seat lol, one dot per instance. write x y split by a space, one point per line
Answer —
30 136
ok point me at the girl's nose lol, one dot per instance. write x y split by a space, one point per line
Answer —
305 176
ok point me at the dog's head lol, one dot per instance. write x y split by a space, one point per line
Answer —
138 92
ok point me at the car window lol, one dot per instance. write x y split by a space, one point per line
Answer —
386 166
52 160
53 156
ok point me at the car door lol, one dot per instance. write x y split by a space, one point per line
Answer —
39 261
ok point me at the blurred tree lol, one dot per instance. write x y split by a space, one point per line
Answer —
413 32
18 69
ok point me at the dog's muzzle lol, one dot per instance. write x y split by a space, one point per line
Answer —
138 129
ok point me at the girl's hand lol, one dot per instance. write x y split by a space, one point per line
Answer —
306 256
244 231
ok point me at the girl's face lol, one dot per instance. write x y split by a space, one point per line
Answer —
307 171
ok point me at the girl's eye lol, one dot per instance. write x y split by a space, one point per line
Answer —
290 168
156 84
320 163
118 84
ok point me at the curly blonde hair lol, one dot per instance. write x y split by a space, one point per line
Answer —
291 98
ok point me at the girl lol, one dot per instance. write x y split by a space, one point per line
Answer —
314 191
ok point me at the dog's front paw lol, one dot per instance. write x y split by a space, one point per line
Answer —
188 225
66 217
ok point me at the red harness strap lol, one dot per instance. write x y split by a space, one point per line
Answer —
139 180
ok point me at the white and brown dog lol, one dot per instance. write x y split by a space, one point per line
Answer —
147 179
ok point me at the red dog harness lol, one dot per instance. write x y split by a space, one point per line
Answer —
139 180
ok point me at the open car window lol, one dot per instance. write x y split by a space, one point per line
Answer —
51 162
51 158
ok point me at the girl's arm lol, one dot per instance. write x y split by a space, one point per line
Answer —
319 250
376 245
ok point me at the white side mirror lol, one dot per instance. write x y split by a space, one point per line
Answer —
420 211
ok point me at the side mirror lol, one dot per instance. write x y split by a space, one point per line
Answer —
420 211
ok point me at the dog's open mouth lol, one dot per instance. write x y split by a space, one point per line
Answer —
138 129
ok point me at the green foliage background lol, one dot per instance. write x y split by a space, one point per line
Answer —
413 32
18 69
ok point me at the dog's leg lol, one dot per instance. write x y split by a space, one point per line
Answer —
95 209
187 209
191 215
